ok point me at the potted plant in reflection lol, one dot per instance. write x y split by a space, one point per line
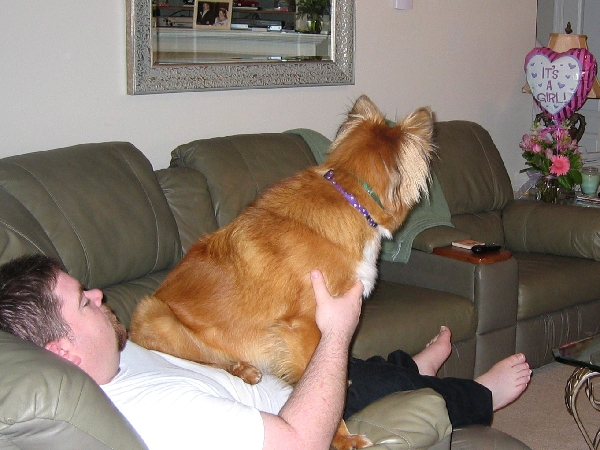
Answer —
309 15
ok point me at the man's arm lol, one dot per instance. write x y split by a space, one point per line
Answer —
313 412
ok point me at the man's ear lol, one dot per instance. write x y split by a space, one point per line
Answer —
62 347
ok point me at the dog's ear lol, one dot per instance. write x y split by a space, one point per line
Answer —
415 133
418 124
363 110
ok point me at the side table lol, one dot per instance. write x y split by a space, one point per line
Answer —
465 255
585 354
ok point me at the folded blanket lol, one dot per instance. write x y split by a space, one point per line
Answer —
430 212
319 144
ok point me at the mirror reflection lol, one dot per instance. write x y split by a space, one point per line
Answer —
220 31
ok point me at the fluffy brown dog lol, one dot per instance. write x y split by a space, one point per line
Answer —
241 298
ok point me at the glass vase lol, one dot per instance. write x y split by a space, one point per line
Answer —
547 189
315 23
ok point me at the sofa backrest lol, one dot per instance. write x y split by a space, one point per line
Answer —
187 193
98 207
20 232
238 168
473 177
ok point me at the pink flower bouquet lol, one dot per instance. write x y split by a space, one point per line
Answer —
551 151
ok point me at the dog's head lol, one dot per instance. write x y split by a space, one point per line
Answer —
393 160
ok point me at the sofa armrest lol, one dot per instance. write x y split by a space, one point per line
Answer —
561 230
439 236
490 286
404 420
493 289
47 402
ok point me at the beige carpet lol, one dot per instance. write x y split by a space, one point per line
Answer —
540 418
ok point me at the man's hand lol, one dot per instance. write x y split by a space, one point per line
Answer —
336 316
312 414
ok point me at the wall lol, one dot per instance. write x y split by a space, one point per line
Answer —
63 78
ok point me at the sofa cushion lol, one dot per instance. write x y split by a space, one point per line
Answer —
485 226
102 208
388 319
238 168
50 403
470 168
123 297
575 230
404 420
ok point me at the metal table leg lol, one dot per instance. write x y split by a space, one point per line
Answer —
581 378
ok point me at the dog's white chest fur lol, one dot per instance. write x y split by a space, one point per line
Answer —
367 268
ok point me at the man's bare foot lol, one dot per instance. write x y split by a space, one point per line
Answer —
431 358
507 380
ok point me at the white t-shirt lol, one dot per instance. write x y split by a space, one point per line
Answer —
177 404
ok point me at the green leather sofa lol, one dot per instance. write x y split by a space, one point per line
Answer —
547 294
118 224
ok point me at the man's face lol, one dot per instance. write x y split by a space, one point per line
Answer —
96 335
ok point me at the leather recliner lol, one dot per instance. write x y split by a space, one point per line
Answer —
547 293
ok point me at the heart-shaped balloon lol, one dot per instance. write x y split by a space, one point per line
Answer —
560 82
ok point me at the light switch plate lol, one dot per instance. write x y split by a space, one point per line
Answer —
403 4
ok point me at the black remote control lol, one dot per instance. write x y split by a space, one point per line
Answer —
484 248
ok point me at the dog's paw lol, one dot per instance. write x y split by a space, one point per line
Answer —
350 442
246 372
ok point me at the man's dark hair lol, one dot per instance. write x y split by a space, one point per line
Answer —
29 308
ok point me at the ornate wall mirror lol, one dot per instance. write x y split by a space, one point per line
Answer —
175 59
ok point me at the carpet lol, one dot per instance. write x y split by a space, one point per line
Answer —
540 419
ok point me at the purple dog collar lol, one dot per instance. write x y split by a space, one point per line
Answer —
351 199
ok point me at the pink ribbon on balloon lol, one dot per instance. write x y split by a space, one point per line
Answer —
560 82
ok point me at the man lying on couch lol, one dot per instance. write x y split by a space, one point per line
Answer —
173 402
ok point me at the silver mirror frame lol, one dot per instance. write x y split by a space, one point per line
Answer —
144 78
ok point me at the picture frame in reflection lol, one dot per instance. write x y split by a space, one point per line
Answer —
212 15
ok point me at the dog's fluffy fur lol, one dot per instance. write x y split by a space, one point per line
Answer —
241 298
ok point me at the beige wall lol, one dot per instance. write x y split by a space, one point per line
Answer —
63 78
